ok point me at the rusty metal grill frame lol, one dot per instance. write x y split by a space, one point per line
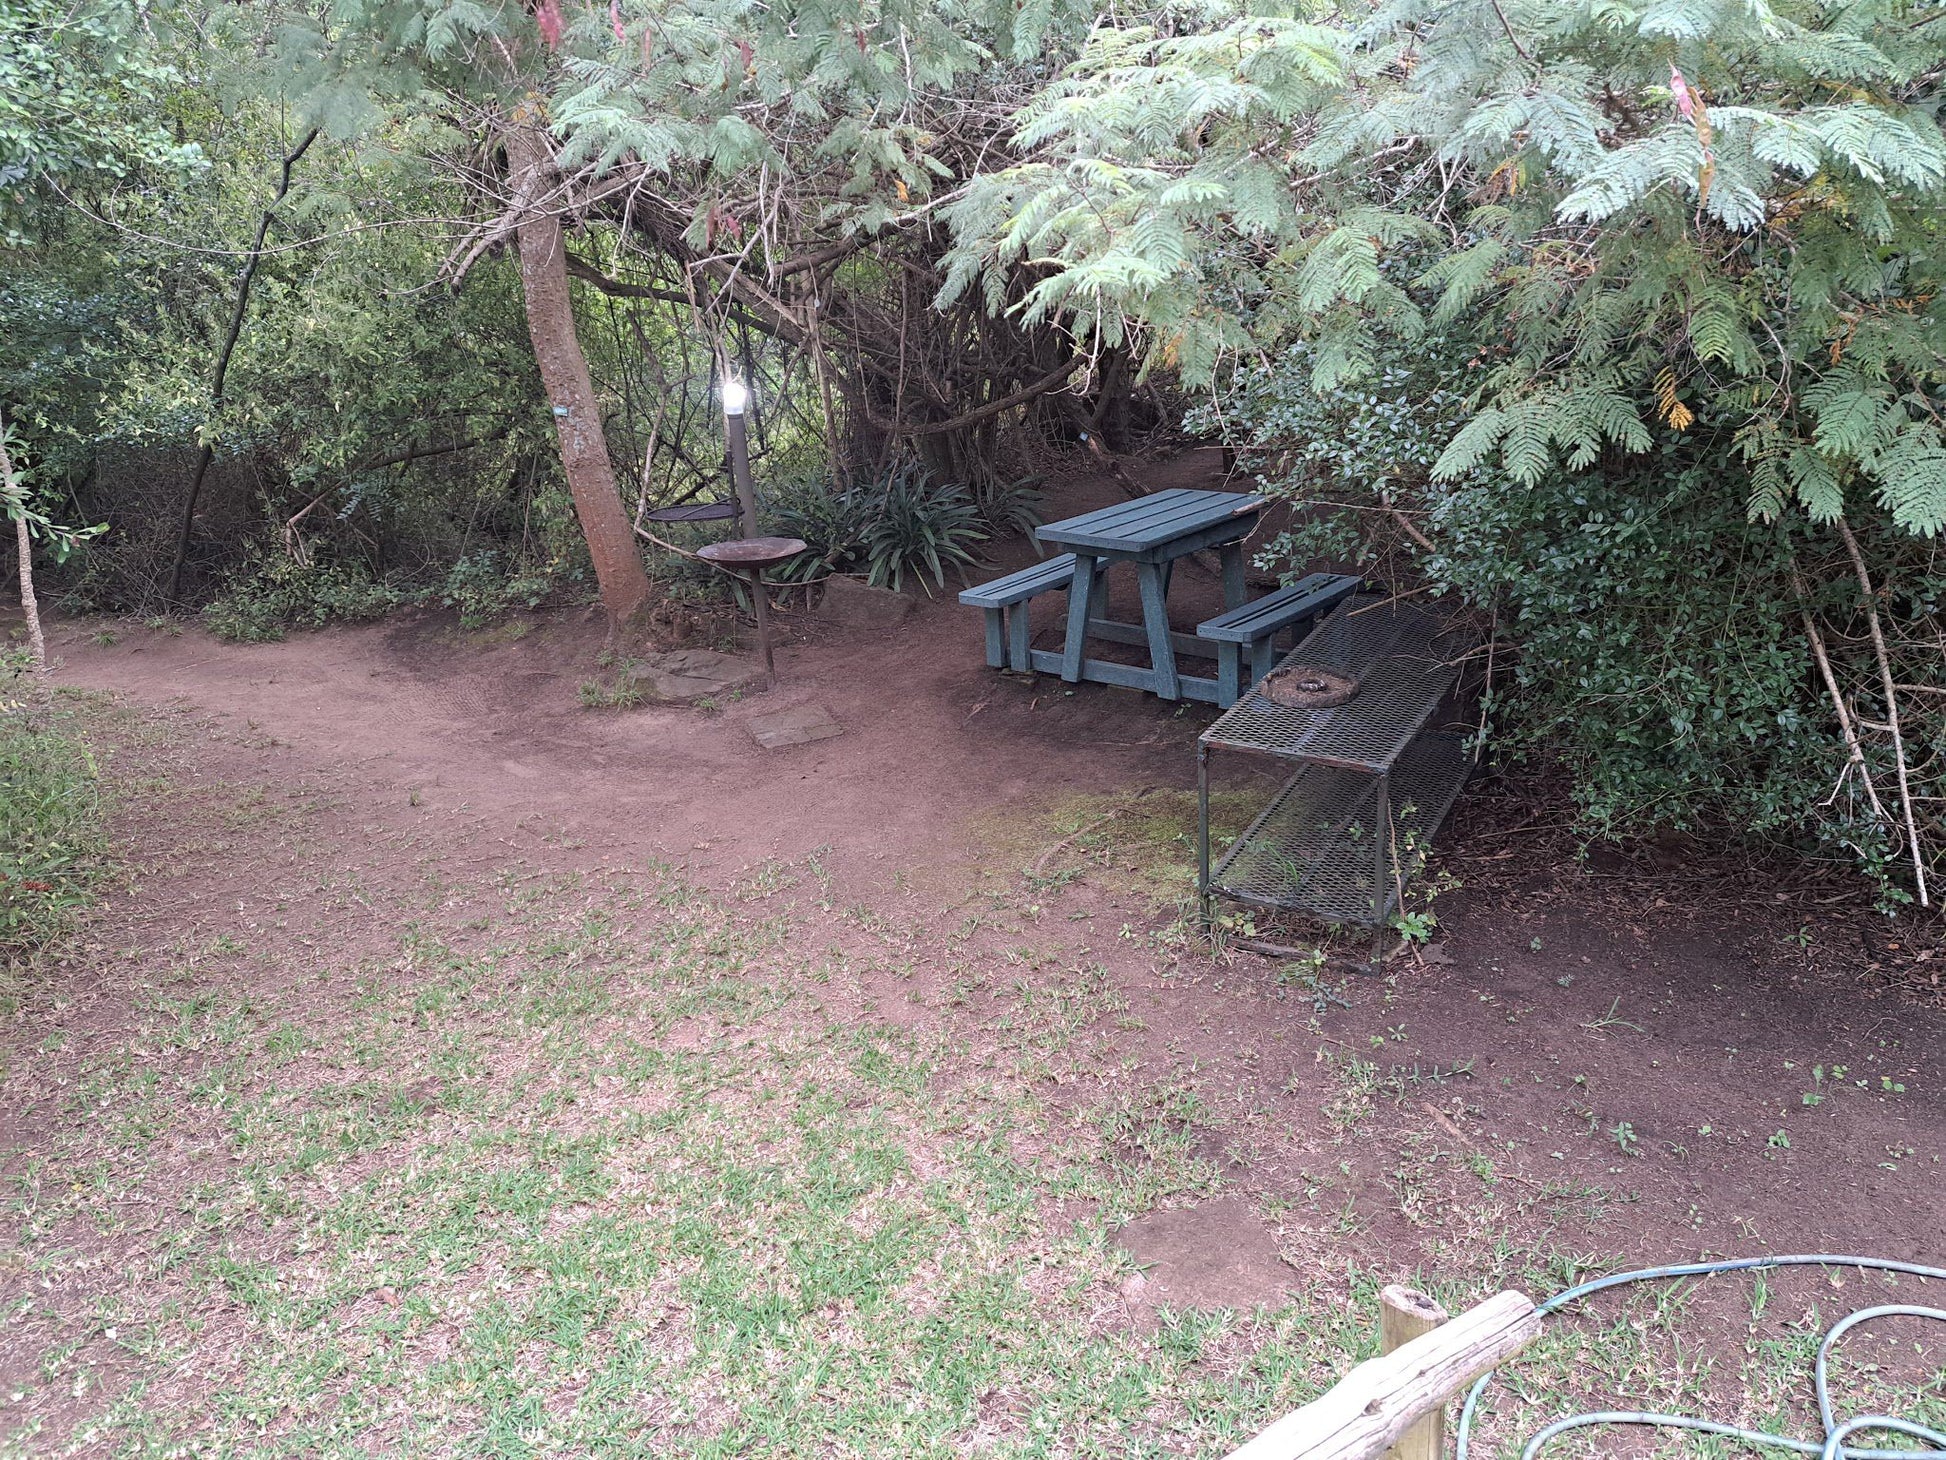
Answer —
1402 658
1365 765
1311 849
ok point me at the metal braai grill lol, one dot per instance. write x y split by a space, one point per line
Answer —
1312 847
1372 784
1402 660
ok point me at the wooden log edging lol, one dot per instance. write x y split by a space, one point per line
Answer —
1370 1410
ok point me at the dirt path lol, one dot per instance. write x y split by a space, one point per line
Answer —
1642 1067
495 726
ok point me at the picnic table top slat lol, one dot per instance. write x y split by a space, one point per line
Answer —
1149 522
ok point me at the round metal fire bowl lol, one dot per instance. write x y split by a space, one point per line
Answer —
751 554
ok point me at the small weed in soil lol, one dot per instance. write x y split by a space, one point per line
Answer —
617 689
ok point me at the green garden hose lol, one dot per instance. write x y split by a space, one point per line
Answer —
1836 1431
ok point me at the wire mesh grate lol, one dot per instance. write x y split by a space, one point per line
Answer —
1402 657
1312 849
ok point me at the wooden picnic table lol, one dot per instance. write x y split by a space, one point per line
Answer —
1150 533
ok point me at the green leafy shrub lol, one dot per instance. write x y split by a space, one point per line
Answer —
832 523
483 586
273 593
897 526
1647 612
1360 446
51 842
1010 507
1655 631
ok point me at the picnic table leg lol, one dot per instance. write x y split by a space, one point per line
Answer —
1231 554
1155 617
1081 594
1020 638
1263 654
1229 675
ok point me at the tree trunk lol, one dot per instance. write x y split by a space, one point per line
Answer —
29 604
15 498
564 372
220 375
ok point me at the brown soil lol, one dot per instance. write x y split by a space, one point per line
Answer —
1604 1061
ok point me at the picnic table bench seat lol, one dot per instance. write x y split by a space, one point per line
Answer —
1005 601
1255 626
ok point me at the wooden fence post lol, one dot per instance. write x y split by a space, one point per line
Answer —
1403 1314
1373 1408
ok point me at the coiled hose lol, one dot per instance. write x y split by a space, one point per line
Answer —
1836 1431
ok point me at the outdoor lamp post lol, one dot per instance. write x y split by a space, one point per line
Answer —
736 399
747 556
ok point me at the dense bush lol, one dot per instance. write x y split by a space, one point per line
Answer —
270 594
1654 631
372 421
1657 653
485 585
368 420
1354 449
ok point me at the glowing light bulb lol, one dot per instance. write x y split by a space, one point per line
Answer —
736 395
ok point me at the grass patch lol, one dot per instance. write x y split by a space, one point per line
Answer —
51 838
581 1165
1141 842
619 1182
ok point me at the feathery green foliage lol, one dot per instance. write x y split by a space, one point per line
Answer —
1657 210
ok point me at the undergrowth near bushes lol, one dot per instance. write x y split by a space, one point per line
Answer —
899 525
272 594
51 837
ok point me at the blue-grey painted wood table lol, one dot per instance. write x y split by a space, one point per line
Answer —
1150 533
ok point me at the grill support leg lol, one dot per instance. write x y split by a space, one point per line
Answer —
1381 865
760 602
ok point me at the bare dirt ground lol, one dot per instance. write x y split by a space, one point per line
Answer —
1637 1062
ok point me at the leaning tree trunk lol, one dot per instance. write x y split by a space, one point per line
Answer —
16 500
220 375
564 374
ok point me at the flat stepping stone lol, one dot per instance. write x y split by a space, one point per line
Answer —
694 674
799 725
